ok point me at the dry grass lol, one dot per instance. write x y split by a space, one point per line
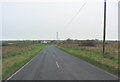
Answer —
109 47
94 54
17 54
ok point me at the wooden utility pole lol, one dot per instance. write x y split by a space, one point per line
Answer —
57 36
104 34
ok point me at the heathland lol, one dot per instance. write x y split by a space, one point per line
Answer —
91 51
16 53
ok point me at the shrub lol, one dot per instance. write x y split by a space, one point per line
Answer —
5 44
87 43
69 40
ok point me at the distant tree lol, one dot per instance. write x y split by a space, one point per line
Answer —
69 40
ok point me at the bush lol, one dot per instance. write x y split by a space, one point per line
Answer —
5 44
69 40
87 43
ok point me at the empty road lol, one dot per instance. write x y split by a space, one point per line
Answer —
54 64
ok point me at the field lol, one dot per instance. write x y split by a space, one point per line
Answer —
16 54
0 62
93 54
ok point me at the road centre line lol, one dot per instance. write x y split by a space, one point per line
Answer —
57 64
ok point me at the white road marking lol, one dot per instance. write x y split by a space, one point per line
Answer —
57 64
19 70
104 71
115 76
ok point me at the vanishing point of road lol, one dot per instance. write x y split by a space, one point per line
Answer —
54 64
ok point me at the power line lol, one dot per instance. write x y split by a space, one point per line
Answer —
76 13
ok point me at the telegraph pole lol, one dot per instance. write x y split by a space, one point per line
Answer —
104 30
57 36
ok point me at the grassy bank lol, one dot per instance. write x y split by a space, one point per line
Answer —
94 56
16 55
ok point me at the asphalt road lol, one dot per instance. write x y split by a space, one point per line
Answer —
54 64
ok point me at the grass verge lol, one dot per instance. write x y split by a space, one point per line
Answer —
93 57
11 64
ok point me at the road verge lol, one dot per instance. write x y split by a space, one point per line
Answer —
12 64
93 58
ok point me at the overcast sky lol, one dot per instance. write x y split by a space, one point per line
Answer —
33 19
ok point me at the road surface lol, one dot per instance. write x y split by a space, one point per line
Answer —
54 64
